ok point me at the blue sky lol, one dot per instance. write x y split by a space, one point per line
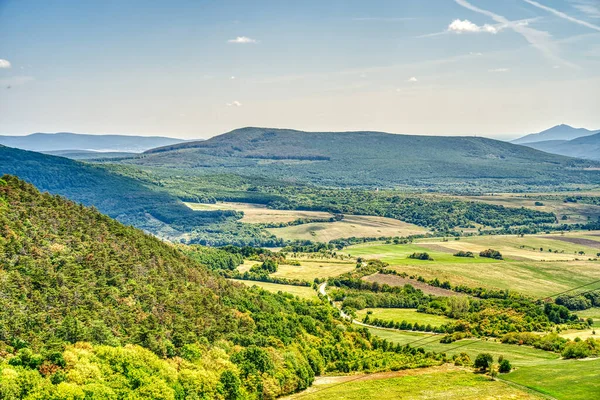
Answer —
199 68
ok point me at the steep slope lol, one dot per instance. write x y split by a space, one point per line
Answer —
582 147
86 301
80 141
558 132
369 158
119 197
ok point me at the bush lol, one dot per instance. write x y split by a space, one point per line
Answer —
483 361
421 256
504 366
490 253
464 254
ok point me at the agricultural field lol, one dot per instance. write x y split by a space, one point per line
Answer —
404 314
260 214
528 265
593 313
305 292
573 212
562 379
518 355
445 382
309 270
350 226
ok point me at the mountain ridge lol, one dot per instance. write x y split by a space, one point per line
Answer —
42 141
558 132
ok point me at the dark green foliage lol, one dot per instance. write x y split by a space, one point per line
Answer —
504 366
490 253
372 159
420 256
464 254
483 361
579 301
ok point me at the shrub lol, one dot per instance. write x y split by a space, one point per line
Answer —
483 361
504 366
420 256
464 254
490 253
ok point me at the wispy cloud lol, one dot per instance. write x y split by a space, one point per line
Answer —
473 53
242 40
4 63
590 8
234 103
499 70
562 15
540 40
413 79
466 26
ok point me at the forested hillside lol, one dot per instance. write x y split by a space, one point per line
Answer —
90 308
129 200
373 159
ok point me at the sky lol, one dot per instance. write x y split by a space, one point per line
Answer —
195 69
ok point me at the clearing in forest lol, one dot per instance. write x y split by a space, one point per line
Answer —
260 214
305 292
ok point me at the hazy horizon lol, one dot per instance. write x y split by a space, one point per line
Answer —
462 67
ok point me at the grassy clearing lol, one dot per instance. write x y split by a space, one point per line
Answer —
522 269
351 225
304 292
257 213
574 212
404 314
593 313
430 383
309 270
518 355
562 379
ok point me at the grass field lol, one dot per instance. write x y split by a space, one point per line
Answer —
351 225
575 212
431 383
525 268
257 213
309 269
404 314
563 379
518 355
593 313
304 292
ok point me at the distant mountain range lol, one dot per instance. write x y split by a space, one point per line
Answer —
370 159
47 142
565 140
582 147
558 132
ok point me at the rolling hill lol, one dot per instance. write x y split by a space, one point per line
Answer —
120 197
78 141
581 147
371 159
558 132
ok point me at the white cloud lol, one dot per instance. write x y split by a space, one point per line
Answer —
242 40
588 7
499 70
540 40
4 63
232 77
562 15
413 79
234 103
466 26
475 53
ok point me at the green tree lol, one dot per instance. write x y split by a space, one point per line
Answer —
483 361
